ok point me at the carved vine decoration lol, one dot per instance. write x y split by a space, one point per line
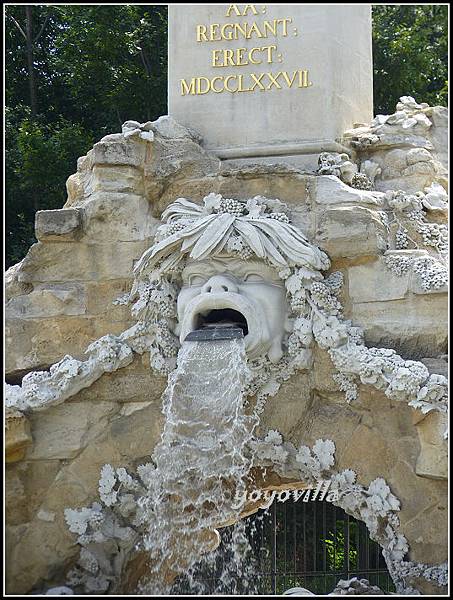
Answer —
258 228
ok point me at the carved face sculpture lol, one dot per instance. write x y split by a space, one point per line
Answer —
247 293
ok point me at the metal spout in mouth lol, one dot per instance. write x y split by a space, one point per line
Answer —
216 332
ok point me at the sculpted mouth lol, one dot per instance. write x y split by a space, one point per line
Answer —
221 317
223 310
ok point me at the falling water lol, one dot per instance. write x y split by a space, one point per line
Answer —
201 463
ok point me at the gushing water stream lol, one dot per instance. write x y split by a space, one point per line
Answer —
201 461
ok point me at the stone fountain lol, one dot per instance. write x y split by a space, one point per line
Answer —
188 328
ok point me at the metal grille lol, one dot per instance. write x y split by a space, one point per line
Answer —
305 544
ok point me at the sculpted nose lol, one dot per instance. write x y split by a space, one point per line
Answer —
218 284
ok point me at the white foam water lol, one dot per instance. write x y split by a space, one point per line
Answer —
201 467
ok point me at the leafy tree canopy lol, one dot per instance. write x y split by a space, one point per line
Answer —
94 67
410 54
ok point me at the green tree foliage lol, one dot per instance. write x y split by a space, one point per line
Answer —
40 159
95 66
336 548
410 54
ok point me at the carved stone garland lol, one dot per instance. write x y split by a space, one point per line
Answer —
256 228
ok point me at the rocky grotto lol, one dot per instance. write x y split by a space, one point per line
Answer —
338 280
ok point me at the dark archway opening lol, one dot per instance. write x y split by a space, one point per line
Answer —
302 544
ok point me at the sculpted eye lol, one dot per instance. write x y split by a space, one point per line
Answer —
197 279
253 277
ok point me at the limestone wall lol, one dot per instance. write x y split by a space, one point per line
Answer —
61 298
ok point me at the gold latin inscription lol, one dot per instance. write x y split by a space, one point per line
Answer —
242 57
187 89
237 11
246 83
235 31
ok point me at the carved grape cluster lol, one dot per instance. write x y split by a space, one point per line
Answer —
409 204
347 385
259 369
236 245
321 294
165 304
335 282
361 181
401 239
435 235
329 164
416 215
398 265
245 253
233 207
279 216
294 345
298 302
355 335
167 341
174 227
432 273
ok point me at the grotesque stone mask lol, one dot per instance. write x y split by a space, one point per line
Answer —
225 289
226 261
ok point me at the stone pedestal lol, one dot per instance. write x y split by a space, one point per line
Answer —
270 83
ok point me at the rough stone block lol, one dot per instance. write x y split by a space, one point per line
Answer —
373 282
49 300
349 232
13 284
276 181
367 452
176 159
74 189
414 326
432 462
17 437
63 431
58 225
56 262
422 514
122 179
113 215
26 483
167 127
328 189
439 133
102 295
281 181
119 152
38 343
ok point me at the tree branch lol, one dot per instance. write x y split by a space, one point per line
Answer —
118 116
18 26
41 30
145 62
